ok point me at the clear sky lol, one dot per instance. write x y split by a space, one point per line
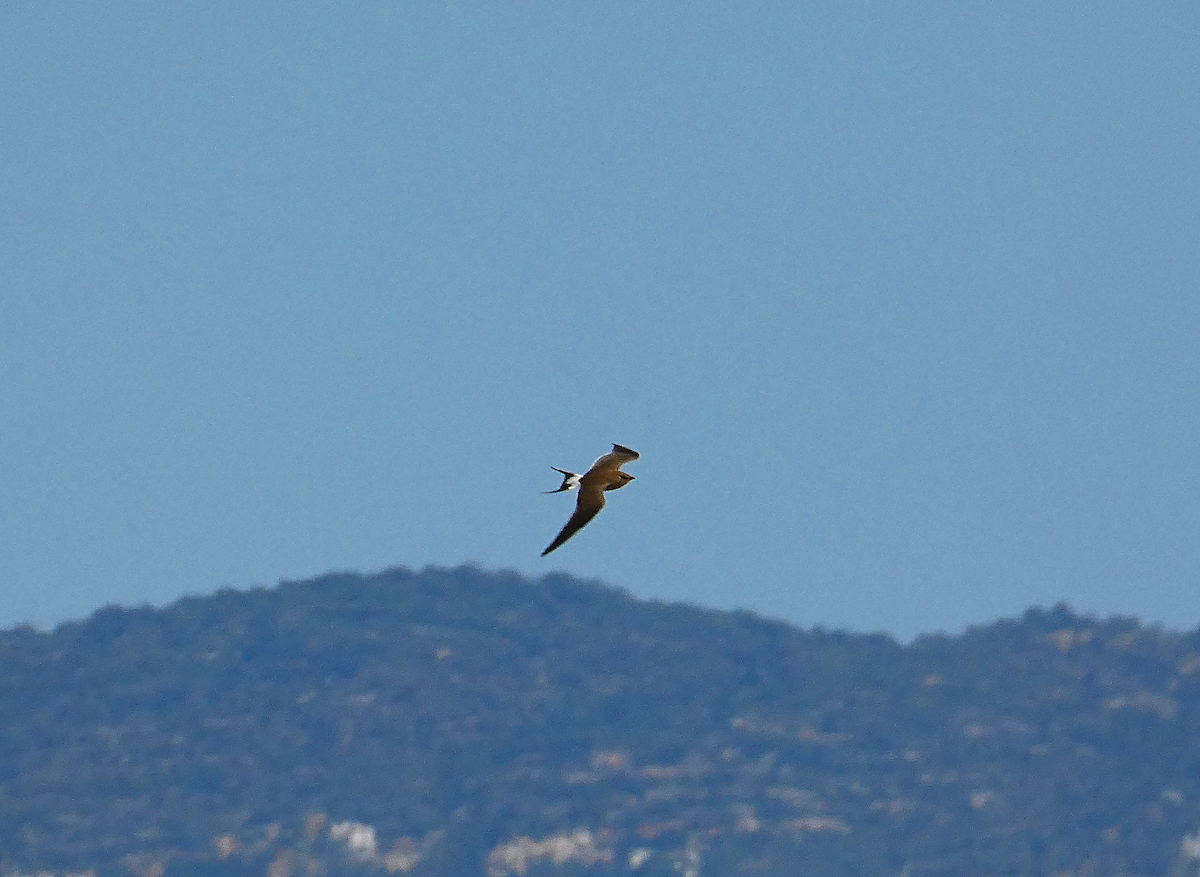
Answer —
900 302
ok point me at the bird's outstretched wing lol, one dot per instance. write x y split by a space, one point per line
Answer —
615 459
591 500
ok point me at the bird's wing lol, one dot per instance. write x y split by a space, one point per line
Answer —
615 459
591 500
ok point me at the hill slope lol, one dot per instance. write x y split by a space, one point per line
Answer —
455 722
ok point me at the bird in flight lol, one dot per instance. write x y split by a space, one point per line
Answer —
605 474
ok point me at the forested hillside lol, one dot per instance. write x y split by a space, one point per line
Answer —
457 722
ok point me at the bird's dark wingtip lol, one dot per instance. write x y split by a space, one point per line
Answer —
625 450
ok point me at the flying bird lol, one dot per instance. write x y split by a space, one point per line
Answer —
605 474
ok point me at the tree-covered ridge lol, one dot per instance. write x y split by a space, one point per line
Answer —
454 722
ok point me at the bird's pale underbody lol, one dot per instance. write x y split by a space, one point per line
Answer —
605 474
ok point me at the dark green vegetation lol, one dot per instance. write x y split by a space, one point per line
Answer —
455 722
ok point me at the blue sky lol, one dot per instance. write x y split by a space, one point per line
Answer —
899 302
